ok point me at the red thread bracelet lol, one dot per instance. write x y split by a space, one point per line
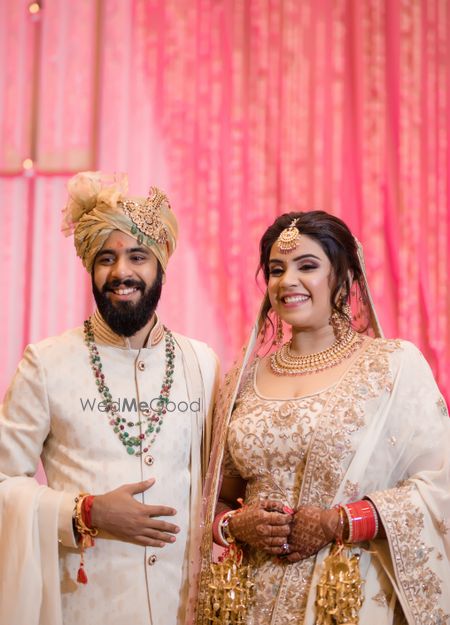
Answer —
86 507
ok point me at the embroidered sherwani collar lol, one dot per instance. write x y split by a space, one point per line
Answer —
104 334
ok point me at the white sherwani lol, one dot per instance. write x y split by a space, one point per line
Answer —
51 410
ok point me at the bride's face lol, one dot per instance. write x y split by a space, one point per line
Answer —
300 283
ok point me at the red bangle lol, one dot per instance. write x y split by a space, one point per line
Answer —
362 521
86 510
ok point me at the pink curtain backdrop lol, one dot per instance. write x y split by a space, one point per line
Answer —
240 110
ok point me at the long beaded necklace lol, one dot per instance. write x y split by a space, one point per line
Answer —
151 426
284 362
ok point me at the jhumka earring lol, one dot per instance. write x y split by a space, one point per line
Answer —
348 311
340 322
278 338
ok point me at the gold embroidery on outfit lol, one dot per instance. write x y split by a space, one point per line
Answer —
326 466
331 449
443 527
269 439
381 598
404 522
300 448
352 490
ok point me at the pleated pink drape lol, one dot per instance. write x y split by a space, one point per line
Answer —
240 110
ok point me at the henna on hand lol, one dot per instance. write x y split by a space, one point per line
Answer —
261 528
312 528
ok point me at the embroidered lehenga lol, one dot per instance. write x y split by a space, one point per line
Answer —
381 432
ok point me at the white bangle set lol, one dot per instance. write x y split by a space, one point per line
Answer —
223 530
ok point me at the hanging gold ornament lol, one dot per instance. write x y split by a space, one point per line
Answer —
230 589
340 589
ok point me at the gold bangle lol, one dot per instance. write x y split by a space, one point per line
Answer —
341 526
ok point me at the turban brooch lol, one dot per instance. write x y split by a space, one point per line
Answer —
98 204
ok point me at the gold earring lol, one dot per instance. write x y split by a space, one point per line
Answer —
278 338
348 311
340 322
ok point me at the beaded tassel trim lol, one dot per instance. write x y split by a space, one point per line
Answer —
150 425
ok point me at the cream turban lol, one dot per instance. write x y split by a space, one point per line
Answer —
98 204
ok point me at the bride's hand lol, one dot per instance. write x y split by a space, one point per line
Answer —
260 528
312 528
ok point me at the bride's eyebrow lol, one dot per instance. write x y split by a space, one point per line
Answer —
297 258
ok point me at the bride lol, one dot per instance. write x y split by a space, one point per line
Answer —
336 442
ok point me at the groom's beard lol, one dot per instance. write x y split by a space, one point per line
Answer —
127 318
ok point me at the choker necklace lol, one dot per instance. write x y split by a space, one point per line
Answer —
284 362
150 427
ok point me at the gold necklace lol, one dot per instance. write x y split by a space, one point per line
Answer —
284 362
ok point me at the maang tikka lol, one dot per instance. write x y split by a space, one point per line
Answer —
289 238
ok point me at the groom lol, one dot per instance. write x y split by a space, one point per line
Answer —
119 412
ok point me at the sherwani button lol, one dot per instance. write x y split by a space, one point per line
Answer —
141 365
149 460
152 559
